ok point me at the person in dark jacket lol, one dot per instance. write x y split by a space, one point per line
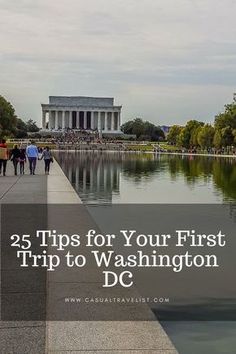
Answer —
22 161
15 158
47 156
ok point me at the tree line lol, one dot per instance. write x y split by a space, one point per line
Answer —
194 134
223 171
143 130
10 125
198 134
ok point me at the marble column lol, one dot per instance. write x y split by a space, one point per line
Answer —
112 121
118 121
92 119
99 122
99 125
70 119
50 120
63 120
106 122
85 119
56 120
44 120
77 120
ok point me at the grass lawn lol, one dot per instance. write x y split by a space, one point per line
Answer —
10 145
168 147
139 147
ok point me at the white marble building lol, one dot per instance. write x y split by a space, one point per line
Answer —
89 113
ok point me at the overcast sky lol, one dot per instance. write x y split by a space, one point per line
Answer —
166 61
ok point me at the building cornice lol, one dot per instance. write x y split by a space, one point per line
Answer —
53 107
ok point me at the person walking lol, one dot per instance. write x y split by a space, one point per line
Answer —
32 154
47 156
15 158
22 161
3 157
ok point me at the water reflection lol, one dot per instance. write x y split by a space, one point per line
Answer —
202 337
95 176
103 177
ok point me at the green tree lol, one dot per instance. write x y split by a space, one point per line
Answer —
127 127
138 127
227 118
225 125
32 126
8 119
234 135
143 130
194 135
21 129
135 127
153 132
188 135
227 136
181 138
205 136
173 134
218 141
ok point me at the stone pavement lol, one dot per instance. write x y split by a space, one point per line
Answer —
84 337
23 188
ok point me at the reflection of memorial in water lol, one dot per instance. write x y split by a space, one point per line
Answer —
95 176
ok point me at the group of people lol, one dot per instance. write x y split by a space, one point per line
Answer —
76 137
19 156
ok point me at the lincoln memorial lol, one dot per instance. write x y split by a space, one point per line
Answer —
82 113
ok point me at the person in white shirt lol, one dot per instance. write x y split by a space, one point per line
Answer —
32 154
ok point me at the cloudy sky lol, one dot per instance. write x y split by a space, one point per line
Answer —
166 61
